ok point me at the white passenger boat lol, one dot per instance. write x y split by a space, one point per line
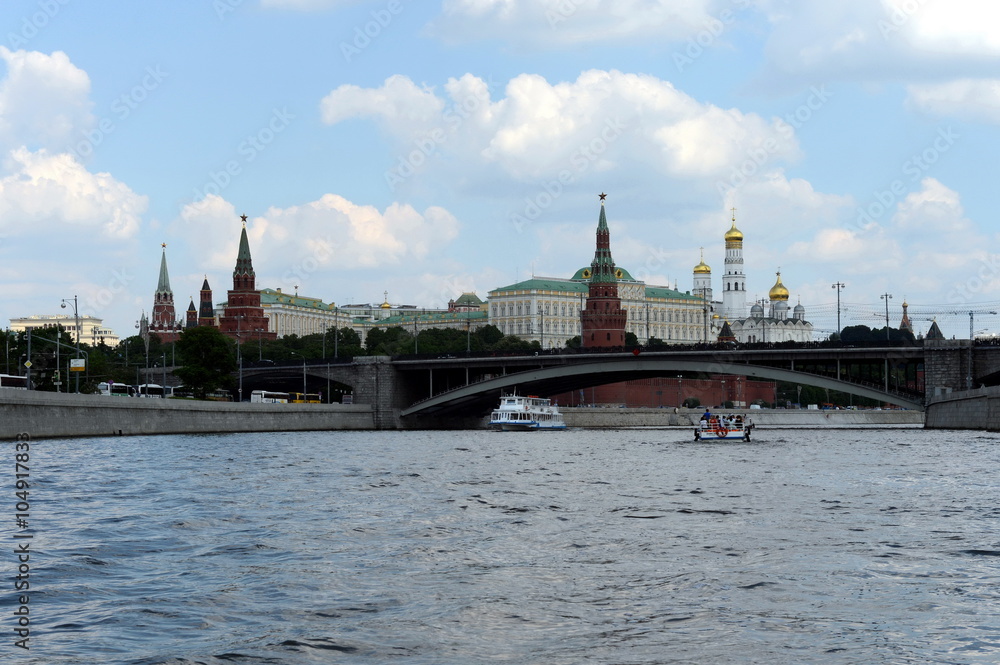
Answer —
718 428
519 412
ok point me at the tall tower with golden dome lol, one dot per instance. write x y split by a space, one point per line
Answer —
702 280
734 282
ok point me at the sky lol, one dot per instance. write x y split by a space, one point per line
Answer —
422 150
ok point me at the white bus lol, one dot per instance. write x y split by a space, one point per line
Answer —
150 390
16 382
268 397
113 389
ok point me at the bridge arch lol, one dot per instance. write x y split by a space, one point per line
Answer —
483 395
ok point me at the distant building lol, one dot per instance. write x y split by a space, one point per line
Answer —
92 330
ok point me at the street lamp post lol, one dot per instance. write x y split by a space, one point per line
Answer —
76 317
838 286
886 297
303 372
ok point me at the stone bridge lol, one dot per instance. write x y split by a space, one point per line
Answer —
422 392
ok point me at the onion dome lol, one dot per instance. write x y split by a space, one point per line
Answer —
778 291
734 234
757 311
799 309
702 268
385 304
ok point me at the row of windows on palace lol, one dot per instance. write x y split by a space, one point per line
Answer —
572 311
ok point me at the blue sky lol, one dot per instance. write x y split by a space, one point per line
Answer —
426 149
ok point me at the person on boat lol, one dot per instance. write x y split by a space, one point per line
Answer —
707 415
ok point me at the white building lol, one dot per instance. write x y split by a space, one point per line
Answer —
547 310
91 330
777 324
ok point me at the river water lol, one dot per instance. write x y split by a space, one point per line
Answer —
586 546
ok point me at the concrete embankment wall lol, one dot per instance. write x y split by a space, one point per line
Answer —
969 409
46 415
598 417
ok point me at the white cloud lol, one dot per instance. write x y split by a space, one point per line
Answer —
868 41
976 99
557 23
568 130
55 192
329 234
44 100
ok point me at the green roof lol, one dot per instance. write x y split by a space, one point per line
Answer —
272 297
468 299
583 274
670 294
543 284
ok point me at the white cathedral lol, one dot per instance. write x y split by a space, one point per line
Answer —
777 325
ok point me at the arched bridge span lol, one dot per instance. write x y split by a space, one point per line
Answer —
481 396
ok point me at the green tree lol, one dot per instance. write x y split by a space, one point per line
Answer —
207 360
631 340
574 342
488 336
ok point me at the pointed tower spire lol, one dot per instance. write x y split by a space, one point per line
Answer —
244 263
164 322
163 285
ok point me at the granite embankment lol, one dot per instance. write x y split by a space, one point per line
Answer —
44 415
968 409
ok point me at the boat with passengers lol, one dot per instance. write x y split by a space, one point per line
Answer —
526 413
714 427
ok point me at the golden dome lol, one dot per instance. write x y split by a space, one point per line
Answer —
702 268
778 291
386 305
734 234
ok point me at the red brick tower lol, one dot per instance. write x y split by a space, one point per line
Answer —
242 316
164 323
603 320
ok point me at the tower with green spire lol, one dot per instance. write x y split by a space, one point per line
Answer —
242 316
602 323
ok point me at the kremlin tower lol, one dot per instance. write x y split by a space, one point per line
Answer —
603 320
242 315
164 323
206 310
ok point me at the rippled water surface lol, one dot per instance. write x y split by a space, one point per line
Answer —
585 546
